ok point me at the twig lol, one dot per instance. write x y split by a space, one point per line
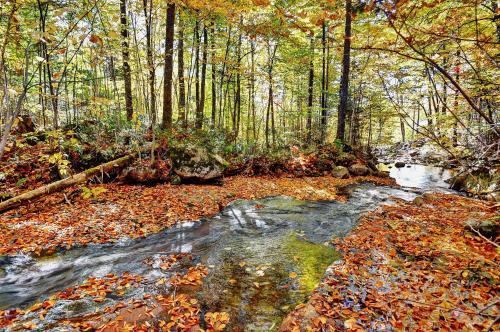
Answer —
493 324
489 306
66 199
483 237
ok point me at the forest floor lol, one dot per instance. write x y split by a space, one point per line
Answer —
413 267
114 211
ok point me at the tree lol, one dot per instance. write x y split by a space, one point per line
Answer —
200 107
168 67
148 16
310 90
126 66
344 81
180 73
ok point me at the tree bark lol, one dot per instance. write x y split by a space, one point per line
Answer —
214 88
200 110
180 72
148 11
197 41
126 66
323 85
168 67
237 98
344 82
310 99
43 10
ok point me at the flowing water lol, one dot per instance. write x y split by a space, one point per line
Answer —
251 249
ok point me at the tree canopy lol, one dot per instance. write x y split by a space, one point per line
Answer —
264 73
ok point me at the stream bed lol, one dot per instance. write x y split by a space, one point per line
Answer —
252 250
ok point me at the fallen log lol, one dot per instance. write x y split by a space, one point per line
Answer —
65 183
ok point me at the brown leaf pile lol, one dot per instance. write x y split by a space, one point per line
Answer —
410 268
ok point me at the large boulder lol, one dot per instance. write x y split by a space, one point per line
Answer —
359 170
196 163
340 172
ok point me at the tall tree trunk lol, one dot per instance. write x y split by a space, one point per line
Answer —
126 66
115 88
168 67
198 119
148 12
252 88
369 128
43 10
214 88
455 101
310 99
270 103
180 72
344 82
403 132
201 103
237 98
323 85
222 95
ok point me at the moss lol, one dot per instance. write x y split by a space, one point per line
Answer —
312 260
284 203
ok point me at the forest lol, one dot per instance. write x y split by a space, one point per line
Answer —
249 165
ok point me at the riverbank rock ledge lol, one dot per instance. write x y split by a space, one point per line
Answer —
482 181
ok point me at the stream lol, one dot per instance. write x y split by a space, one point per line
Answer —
251 248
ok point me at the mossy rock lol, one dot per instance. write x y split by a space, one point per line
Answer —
340 172
480 181
196 163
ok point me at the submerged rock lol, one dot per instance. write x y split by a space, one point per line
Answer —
399 164
340 172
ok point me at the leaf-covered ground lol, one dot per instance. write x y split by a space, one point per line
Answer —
112 211
410 267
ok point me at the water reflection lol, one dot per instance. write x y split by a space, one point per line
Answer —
422 177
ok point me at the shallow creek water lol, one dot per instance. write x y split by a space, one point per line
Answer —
250 248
